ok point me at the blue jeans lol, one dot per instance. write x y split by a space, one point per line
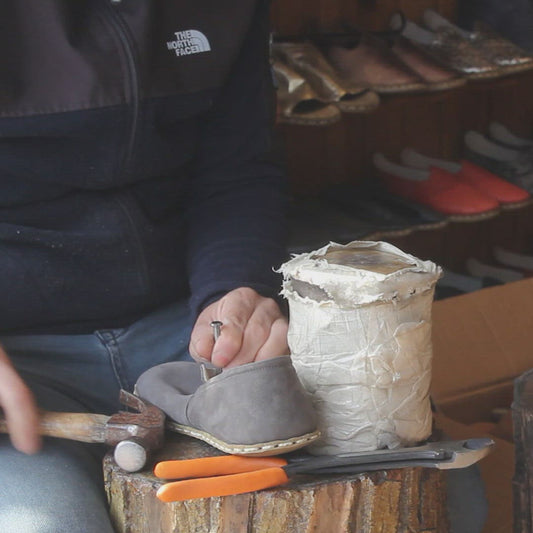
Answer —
61 488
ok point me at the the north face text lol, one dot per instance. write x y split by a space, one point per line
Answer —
189 42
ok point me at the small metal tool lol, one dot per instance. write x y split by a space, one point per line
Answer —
208 369
216 325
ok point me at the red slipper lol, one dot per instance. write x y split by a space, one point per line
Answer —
438 189
507 194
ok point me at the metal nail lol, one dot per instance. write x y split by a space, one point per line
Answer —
208 370
216 325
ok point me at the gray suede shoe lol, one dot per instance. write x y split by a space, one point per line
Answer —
254 409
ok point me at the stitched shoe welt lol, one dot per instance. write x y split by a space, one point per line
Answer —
258 408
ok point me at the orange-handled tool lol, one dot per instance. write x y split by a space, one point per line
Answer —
230 474
220 476
214 466
222 485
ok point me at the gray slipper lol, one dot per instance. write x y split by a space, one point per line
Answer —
259 408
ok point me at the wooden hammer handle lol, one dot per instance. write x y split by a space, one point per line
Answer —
84 427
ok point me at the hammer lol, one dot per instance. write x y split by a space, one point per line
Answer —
134 435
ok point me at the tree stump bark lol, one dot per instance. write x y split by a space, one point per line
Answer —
522 411
410 500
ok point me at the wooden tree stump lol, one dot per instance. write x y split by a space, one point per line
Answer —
522 411
410 500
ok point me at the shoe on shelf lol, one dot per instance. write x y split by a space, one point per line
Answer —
435 76
259 408
447 47
513 19
515 166
297 102
508 258
438 189
309 62
455 284
444 291
313 223
508 195
483 270
505 137
392 215
497 50
365 60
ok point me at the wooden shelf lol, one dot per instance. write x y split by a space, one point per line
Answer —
432 123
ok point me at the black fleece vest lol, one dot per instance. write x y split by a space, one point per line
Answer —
115 117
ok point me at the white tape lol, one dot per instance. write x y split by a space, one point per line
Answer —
360 340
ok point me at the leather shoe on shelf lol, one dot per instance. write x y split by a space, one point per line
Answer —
391 215
308 61
515 166
438 189
507 194
298 103
505 137
366 61
499 51
436 77
447 47
259 408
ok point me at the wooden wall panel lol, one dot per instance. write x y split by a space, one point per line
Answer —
511 102
296 16
306 157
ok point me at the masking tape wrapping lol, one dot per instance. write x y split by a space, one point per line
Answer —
360 340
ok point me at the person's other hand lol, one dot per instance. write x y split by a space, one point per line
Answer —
253 329
19 408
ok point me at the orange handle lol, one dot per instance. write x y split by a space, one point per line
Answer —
214 466
190 489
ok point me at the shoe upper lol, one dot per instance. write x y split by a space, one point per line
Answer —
442 191
495 186
254 403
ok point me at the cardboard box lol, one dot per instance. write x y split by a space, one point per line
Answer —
482 341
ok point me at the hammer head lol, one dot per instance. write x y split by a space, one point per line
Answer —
146 426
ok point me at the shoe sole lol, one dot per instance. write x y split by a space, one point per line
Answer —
305 121
509 206
490 75
355 109
261 449
432 225
366 102
515 69
446 85
399 88
424 226
475 218
384 234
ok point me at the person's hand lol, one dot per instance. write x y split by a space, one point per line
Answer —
253 329
19 408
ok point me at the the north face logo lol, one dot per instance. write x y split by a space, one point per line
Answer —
189 42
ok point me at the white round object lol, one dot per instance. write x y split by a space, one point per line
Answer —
130 455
